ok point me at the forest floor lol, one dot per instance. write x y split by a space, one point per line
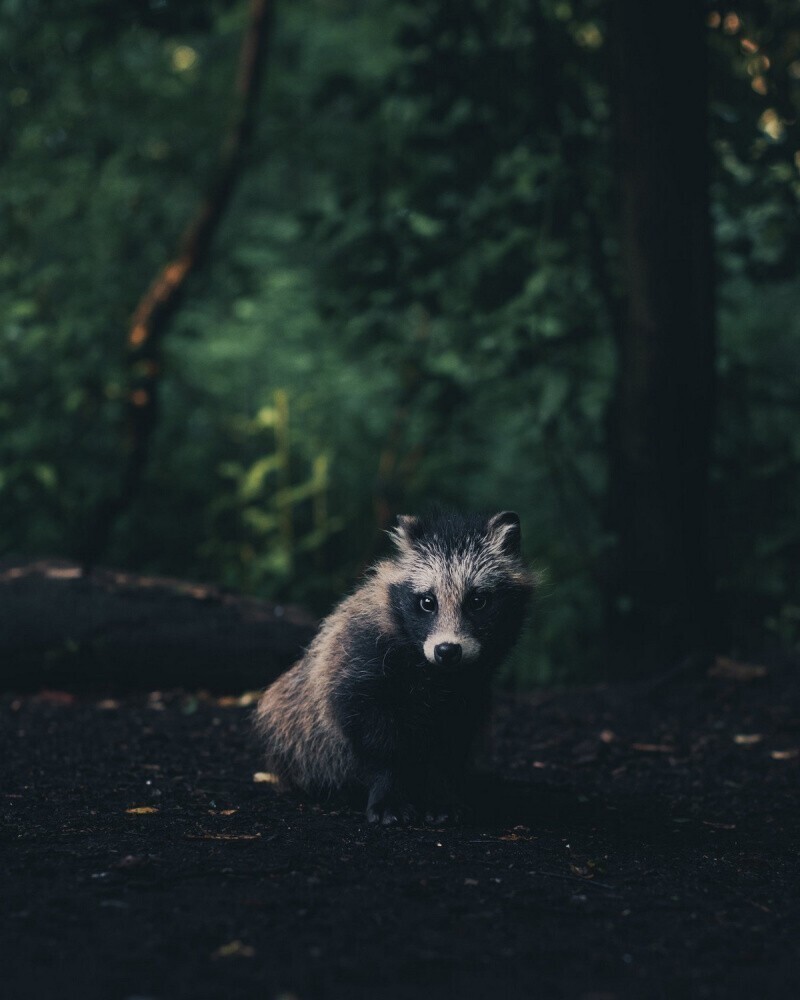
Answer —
635 842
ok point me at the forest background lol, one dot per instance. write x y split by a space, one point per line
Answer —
419 289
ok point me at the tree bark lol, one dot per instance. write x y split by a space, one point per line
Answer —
661 417
157 306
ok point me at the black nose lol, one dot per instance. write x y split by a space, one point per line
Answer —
448 653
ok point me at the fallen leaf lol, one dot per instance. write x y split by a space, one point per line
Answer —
223 836
719 826
141 810
222 812
108 704
234 949
747 739
55 697
266 777
155 701
63 572
652 747
732 670
785 754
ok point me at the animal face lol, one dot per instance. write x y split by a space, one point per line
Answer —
463 590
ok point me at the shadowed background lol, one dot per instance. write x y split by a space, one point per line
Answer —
539 256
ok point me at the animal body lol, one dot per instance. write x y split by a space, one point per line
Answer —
394 687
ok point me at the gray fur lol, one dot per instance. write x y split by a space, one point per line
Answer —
304 742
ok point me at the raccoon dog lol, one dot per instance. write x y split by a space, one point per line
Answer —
393 689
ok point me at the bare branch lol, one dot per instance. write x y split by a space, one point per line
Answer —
157 306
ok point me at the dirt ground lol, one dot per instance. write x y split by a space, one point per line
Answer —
634 842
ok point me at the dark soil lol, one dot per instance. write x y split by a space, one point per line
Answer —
634 843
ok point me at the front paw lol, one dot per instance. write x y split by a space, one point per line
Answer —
446 806
391 812
449 813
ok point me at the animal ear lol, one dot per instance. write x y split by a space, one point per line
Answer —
405 532
503 530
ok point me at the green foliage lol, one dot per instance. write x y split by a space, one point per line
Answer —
411 298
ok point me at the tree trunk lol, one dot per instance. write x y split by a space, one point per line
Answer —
661 418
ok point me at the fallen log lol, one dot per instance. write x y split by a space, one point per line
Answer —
115 631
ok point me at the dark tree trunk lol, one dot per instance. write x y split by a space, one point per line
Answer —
661 417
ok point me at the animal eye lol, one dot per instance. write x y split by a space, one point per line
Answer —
478 602
427 602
